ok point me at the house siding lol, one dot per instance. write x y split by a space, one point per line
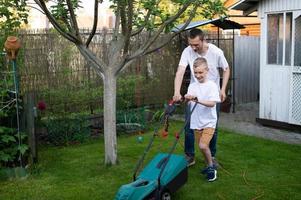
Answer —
276 80
276 94
277 5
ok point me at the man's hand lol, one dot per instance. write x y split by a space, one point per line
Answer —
223 95
177 97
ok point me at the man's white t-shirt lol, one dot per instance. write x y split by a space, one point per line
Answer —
215 59
203 116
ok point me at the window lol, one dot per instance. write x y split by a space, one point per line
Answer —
279 34
275 38
288 38
297 56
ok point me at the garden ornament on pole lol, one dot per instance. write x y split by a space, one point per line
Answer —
12 46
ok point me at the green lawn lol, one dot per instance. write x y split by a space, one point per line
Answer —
251 168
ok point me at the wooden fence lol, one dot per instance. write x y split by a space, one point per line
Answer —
54 70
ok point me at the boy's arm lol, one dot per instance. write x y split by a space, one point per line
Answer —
203 102
206 103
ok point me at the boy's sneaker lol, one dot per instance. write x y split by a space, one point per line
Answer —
190 160
211 174
205 170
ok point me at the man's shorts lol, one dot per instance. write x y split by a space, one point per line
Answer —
204 136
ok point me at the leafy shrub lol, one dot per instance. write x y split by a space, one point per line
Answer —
10 148
126 87
67 130
131 120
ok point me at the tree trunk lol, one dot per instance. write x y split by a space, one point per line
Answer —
110 118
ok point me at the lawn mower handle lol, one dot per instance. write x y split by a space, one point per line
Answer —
169 110
173 148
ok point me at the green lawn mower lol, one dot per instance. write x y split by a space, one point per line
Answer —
164 175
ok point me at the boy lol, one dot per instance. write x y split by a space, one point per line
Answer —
205 93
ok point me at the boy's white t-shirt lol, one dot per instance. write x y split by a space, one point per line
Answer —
203 116
215 59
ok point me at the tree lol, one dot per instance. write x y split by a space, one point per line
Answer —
12 14
203 12
132 17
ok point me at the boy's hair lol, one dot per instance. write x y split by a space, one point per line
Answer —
193 33
200 62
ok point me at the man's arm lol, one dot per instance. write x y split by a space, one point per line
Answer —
178 83
226 75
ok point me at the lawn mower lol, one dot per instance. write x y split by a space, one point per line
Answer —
165 173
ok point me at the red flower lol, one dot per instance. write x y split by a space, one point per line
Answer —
41 105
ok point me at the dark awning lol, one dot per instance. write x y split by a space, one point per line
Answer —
220 22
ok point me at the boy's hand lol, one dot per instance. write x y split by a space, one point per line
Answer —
189 97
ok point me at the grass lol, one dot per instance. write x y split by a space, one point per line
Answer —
251 168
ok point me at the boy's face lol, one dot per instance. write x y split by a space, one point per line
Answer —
200 72
196 44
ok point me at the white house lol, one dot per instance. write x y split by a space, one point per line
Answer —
280 59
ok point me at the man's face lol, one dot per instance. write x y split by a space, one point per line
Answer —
200 73
196 44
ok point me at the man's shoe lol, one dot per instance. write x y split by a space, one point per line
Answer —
211 174
190 161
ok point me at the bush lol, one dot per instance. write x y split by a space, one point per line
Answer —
10 149
67 130
131 120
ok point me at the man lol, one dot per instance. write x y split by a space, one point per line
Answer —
198 47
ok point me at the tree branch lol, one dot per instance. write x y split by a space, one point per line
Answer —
117 24
123 19
96 63
175 33
73 20
53 21
129 27
123 66
95 20
141 51
29 6
167 22
146 18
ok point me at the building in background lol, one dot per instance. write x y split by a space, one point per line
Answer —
250 22
280 60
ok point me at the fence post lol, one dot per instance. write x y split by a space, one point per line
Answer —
30 119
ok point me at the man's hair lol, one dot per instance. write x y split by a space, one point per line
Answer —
193 33
200 62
